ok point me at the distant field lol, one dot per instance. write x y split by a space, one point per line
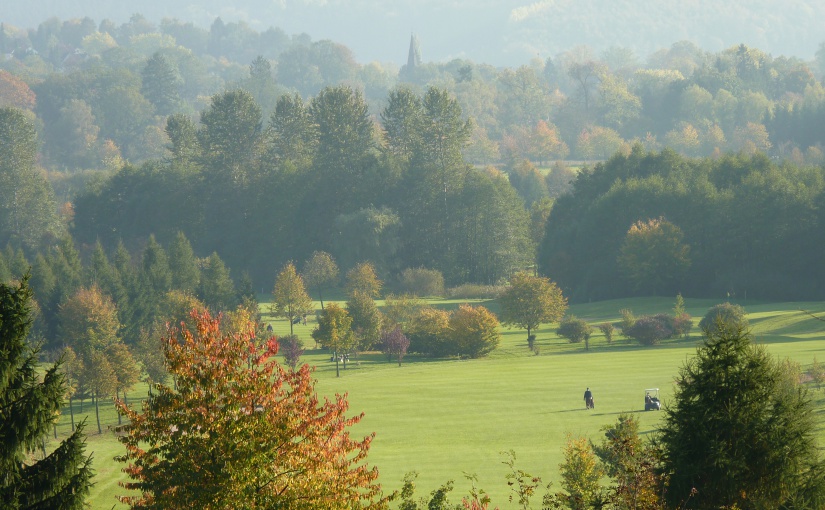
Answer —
447 418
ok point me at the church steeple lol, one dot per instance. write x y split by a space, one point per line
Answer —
414 58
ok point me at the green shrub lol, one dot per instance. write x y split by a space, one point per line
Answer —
727 315
422 282
575 330
607 329
475 291
628 320
682 324
651 329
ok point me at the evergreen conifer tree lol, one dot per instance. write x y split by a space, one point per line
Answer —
740 433
183 265
29 407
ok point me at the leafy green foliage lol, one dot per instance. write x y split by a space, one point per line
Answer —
428 332
366 320
580 474
651 329
653 255
575 330
28 212
422 282
289 297
607 330
334 332
631 464
530 301
363 278
724 315
320 270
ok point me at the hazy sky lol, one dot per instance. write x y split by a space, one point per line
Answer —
501 32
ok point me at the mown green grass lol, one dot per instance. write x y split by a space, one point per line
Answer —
449 417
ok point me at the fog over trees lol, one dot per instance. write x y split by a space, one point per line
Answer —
500 33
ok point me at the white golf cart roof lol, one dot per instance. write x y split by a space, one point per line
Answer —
652 389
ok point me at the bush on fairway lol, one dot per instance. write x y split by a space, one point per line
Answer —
651 329
732 316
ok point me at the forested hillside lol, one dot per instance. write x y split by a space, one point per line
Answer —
501 33
247 149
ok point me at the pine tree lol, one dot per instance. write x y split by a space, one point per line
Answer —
29 407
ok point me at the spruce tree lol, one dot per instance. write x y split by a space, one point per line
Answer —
29 406
217 290
160 84
740 433
183 264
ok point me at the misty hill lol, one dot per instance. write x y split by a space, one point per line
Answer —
495 32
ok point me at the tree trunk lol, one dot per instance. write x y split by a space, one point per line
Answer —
71 412
97 414
117 395
321 298
337 372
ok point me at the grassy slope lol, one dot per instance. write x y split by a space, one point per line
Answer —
447 418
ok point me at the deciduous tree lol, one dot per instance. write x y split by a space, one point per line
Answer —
101 379
289 296
334 332
320 270
366 319
89 322
362 278
473 331
530 301
28 213
394 344
241 429
631 464
580 474
653 256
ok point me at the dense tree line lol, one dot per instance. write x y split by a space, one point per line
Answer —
740 225
315 178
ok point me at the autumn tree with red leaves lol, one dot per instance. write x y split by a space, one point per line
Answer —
240 430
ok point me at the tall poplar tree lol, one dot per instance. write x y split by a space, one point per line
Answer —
29 406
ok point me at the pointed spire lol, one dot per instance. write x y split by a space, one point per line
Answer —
414 58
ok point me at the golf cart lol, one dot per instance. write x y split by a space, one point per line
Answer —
652 402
